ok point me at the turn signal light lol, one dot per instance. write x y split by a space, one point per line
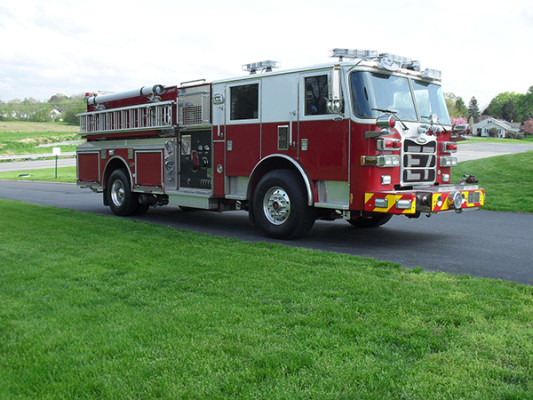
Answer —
449 147
388 144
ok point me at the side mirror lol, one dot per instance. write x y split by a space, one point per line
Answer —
458 131
334 90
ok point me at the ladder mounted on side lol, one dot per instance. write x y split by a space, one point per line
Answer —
151 116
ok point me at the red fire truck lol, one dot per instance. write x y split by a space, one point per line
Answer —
362 138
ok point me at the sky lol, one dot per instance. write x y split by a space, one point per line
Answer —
482 47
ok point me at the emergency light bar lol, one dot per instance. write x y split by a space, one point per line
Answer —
432 74
350 53
265 66
389 61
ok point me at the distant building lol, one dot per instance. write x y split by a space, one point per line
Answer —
483 128
55 115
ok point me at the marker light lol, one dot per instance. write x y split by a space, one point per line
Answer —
388 144
448 147
386 121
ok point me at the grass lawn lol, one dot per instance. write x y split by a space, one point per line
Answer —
99 307
64 174
507 180
23 137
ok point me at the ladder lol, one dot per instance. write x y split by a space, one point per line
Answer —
152 116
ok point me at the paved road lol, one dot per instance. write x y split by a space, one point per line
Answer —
37 164
474 151
479 243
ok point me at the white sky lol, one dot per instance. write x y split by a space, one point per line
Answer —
483 47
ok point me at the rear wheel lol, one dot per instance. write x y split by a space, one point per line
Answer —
120 198
370 221
280 205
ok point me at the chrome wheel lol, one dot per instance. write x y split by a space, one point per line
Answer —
280 207
276 205
118 193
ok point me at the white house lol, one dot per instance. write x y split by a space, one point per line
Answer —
482 128
54 114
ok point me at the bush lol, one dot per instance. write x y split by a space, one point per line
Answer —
494 132
514 135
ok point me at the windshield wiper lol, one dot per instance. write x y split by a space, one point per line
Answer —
434 121
394 113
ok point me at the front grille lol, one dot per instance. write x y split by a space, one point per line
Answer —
419 162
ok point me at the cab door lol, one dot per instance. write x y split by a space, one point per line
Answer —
243 127
323 137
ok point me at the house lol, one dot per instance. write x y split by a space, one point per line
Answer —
483 128
55 114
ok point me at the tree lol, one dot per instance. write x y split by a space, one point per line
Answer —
41 114
527 127
57 98
511 106
461 107
71 108
509 111
524 105
459 121
456 105
473 110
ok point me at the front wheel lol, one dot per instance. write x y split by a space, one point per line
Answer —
120 198
280 205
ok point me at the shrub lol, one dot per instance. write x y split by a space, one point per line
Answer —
494 132
514 135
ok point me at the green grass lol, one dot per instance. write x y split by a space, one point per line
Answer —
101 307
64 174
23 137
507 180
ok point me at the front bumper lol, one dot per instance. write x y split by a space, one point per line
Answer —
432 199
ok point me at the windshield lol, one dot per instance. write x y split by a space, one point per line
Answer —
374 93
430 100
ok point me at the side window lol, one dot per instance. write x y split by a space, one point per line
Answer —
244 102
316 95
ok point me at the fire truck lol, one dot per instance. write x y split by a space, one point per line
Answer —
364 137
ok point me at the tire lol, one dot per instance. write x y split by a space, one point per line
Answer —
280 205
120 198
370 221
